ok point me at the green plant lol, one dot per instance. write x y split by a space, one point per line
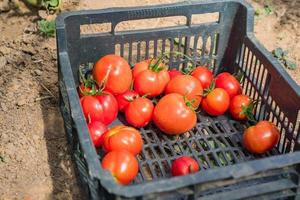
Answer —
267 10
51 4
47 28
282 56
47 4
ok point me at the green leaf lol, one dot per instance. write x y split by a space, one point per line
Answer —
278 53
47 28
258 12
282 56
268 9
51 4
54 3
290 65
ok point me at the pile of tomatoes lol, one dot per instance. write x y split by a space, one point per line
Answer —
170 99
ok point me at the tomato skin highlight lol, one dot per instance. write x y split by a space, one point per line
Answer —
97 130
122 164
187 86
204 76
172 116
174 72
236 106
115 72
229 83
123 138
103 108
139 112
125 98
183 166
149 82
260 138
216 102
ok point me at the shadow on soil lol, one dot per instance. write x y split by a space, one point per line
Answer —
64 177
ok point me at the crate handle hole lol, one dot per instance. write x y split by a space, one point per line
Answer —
205 18
98 28
151 23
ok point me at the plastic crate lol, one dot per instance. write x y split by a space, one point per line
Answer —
227 170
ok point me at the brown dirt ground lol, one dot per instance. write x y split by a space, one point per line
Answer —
36 161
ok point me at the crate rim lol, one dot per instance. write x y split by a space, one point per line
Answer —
232 171
60 20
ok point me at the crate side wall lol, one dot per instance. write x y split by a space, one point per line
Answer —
258 82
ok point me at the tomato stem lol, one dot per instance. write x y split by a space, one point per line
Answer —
189 103
239 76
210 88
156 66
248 111
145 95
131 85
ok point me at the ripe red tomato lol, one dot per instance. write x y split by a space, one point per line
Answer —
239 107
204 75
139 112
229 83
122 164
216 102
184 165
144 65
97 131
103 108
174 72
187 86
261 138
125 98
172 115
123 138
114 72
150 79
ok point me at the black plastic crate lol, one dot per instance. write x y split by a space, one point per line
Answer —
228 171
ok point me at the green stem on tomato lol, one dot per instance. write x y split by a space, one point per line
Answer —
189 103
248 111
210 88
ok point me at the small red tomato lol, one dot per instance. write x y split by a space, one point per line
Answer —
103 108
229 83
261 138
216 102
239 107
150 78
204 75
139 112
114 73
122 165
123 138
125 98
174 72
187 86
97 130
184 165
